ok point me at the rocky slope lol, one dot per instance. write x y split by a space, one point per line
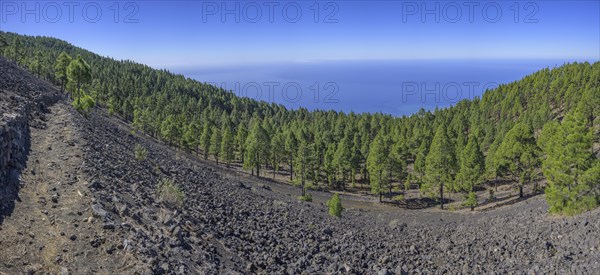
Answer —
229 226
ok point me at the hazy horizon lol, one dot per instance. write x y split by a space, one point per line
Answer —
396 87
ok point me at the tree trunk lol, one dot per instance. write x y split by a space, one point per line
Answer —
520 191
442 195
291 167
380 193
257 165
496 184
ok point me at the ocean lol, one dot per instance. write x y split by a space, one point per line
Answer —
396 87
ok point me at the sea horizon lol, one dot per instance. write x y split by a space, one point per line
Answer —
395 87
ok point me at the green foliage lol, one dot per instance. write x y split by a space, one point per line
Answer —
378 163
168 129
84 104
335 206
277 150
60 68
140 152
307 197
3 42
438 164
257 144
470 200
79 73
240 140
419 164
572 171
471 166
205 139
407 184
227 148
342 158
519 154
169 193
147 97
398 198
215 144
16 51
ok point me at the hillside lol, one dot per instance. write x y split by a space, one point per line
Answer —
87 205
326 149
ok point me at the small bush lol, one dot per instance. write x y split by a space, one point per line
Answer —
335 206
84 104
407 184
307 197
471 200
140 152
310 186
169 193
398 198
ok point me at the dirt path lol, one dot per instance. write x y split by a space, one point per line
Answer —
51 227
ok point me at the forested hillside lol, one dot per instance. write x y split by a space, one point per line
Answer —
543 125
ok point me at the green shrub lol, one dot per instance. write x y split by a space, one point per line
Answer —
561 200
307 197
335 206
398 198
140 152
84 104
471 200
169 193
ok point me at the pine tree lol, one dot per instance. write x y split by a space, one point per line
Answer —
240 140
3 43
17 50
303 156
168 131
472 166
328 164
376 163
589 107
277 151
471 170
215 143
438 164
570 167
419 165
398 159
342 159
357 157
37 65
518 153
206 138
227 148
256 147
291 146
79 73
191 136
335 206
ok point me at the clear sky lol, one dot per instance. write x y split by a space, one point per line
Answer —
196 33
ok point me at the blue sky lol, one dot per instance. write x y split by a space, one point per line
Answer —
193 33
